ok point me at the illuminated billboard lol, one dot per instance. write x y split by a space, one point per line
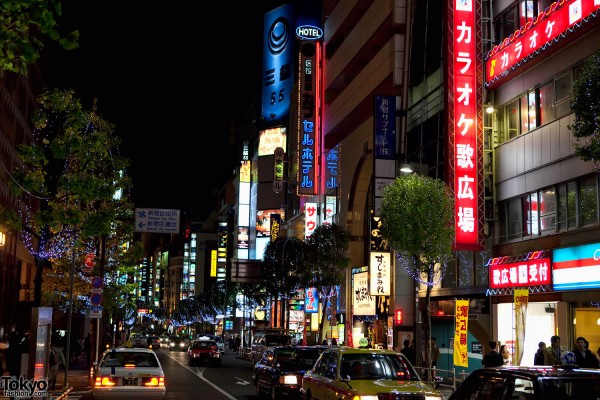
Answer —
464 124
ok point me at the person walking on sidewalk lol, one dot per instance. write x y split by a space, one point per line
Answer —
53 370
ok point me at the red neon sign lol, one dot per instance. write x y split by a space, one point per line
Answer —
464 124
546 28
525 273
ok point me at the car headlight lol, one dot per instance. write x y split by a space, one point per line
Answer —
433 397
288 379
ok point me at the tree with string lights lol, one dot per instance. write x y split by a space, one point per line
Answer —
281 269
70 175
417 215
326 263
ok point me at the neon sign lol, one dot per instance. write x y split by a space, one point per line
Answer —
550 26
464 124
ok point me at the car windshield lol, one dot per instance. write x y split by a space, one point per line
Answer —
376 366
291 359
576 388
129 359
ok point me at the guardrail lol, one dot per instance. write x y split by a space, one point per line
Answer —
442 377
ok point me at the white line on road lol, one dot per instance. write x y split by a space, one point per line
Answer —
200 374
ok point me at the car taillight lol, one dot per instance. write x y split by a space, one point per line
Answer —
154 381
213 348
105 381
289 379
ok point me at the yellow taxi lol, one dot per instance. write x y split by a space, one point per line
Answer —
346 373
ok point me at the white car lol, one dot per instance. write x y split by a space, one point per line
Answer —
124 373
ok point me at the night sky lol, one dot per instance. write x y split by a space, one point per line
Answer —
169 75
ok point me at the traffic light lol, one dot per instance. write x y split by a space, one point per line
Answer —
398 317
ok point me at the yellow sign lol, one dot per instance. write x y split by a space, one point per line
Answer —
213 263
521 301
461 356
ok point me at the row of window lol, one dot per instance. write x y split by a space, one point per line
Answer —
566 206
516 16
535 108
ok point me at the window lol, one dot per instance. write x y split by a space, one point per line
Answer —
539 106
547 210
569 205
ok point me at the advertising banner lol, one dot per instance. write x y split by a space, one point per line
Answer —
521 301
363 303
461 356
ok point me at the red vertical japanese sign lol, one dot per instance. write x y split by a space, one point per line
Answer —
463 88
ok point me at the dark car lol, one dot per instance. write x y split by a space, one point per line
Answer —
204 351
279 372
530 383
177 343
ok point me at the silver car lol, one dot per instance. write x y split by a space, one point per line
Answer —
128 373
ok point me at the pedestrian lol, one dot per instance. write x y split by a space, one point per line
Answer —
598 352
584 357
334 342
506 357
53 370
13 354
492 358
409 352
237 343
554 351
541 357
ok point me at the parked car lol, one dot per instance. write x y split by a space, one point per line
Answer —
279 372
126 372
530 383
346 373
177 343
204 351
261 341
153 342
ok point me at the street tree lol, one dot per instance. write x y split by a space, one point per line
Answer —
281 269
25 25
586 107
417 215
70 176
326 263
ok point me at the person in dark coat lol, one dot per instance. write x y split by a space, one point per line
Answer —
493 358
409 352
13 354
583 356
540 355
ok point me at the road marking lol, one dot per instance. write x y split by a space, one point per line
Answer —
241 381
200 374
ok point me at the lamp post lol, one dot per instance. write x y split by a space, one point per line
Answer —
70 317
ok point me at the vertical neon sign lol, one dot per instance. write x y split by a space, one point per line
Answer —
463 122
309 120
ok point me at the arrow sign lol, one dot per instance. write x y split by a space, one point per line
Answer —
241 381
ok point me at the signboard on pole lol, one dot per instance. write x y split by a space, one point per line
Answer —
156 220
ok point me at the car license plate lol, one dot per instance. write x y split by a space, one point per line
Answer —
130 381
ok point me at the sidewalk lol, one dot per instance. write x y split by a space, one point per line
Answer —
78 378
